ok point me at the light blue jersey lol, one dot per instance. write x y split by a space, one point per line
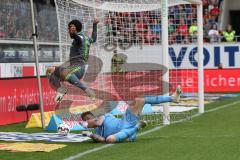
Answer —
126 128
112 125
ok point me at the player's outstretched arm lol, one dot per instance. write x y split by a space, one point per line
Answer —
94 137
98 138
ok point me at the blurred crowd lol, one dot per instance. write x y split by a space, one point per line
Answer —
137 27
16 24
145 27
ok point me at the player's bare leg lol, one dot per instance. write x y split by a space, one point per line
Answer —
55 83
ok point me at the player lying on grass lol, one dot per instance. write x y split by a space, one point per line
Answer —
79 53
111 130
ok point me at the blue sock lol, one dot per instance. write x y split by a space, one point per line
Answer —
157 99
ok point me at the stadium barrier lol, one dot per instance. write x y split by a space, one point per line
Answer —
180 57
15 92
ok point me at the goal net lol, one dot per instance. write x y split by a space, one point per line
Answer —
137 52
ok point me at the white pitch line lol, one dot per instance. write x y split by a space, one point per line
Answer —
146 132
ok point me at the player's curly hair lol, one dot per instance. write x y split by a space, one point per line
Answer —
77 24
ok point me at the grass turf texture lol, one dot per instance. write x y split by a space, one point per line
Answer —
213 135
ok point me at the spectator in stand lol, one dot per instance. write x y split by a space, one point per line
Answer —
182 11
189 19
188 9
229 34
155 31
183 28
213 34
205 4
194 37
192 29
215 12
155 27
171 26
213 2
171 11
206 14
186 40
206 28
212 20
141 28
179 37
210 6
176 14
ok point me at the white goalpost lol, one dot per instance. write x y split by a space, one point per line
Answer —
144 47
165 46
200 57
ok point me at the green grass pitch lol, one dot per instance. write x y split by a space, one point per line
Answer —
210 136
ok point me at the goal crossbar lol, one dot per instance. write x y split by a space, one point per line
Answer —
132 7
